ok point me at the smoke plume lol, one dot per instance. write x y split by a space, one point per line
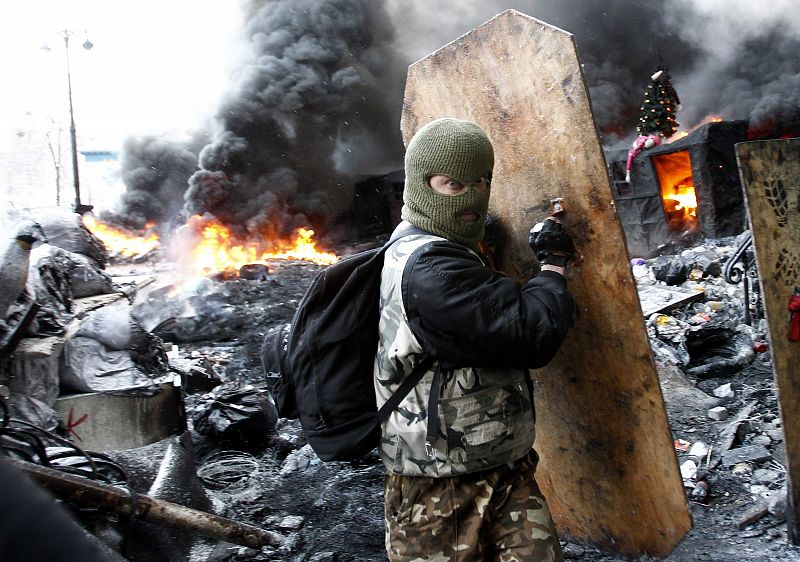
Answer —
312 105
316 100
731 58
154 171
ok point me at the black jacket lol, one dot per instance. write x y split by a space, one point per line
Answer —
467 314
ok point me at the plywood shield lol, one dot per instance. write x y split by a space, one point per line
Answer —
770 172
608 467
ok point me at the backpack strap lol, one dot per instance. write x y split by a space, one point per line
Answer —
422 367
433 411
405 387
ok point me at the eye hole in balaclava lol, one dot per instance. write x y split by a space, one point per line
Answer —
462 151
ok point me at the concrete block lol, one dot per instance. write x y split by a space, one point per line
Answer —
116 422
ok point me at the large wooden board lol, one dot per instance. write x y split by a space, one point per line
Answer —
770 172
608 467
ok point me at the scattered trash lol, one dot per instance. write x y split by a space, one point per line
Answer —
700 492
763 440
299 460
671 270
226 468
291 523
724 391
254 272
719 413
777 504
681 445
699 450
694 329
236 414
749 454
759 510
766 476
688 470
197 373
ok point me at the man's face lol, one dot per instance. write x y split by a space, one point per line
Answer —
449 186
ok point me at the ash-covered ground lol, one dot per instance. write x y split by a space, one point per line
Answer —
333 511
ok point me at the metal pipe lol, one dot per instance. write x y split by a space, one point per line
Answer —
76 182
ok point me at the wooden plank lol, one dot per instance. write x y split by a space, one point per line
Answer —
84 305
770 172
608 467
654 298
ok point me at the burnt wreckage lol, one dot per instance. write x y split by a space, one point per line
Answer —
703 162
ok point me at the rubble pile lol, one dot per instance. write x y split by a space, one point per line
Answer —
708 359
239 461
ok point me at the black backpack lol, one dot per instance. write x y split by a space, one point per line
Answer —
320 367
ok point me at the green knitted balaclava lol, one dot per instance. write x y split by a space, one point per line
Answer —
458 149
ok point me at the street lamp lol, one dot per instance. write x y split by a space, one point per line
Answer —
80 208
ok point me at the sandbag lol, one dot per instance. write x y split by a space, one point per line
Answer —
88 279
90 366
110 326
49 276
66 231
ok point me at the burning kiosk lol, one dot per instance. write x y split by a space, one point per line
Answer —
681 192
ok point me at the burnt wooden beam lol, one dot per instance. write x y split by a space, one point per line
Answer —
83 492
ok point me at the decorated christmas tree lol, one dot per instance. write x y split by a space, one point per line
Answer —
657 114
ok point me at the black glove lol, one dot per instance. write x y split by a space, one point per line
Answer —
551 243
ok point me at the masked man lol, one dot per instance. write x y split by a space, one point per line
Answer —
458 450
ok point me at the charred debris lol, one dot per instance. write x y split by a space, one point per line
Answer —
115 376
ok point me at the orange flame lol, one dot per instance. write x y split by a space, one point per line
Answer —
685 199
217 250
677 190
119 241
683 133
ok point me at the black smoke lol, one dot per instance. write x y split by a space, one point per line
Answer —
316 101
732 58
155 171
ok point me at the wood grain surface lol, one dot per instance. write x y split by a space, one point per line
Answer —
770 172
608 466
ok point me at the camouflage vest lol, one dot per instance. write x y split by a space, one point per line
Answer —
485 415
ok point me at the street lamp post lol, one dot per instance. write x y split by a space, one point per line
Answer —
80 208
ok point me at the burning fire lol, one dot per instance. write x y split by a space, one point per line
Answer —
677 190
685 198
119 241
217 250
683 134
209 247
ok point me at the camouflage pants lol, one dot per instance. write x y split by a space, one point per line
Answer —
497 515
